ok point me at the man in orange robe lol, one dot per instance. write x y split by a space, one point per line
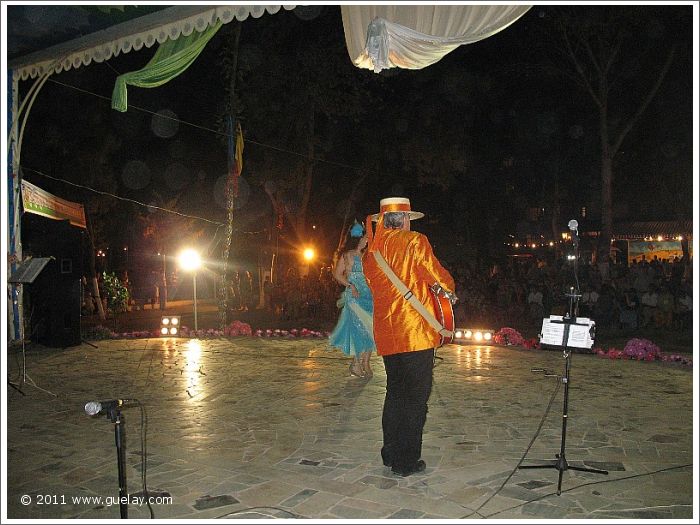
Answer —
404 339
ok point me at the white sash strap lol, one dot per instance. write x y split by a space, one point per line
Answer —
408 295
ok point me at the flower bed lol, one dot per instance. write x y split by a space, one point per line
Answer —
508 336
635 349
642 350
235 329
304 332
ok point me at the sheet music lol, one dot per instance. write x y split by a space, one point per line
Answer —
580 332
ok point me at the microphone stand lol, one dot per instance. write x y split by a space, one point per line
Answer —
569 319
116 417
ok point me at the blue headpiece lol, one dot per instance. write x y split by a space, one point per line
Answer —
357 230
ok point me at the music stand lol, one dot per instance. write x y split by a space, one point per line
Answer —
572 333
26 273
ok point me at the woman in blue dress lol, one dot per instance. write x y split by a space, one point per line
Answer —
353 334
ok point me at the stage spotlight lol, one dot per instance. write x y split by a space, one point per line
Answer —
472 336
169 325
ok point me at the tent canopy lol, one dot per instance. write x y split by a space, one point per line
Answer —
377 36
415 36
146 30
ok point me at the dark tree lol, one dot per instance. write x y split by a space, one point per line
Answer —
619 56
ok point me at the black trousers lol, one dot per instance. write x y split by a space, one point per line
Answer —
409 380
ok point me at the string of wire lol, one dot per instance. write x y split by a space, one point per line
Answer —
524 455
211 130
133 201
633 476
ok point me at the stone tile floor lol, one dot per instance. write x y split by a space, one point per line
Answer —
250 428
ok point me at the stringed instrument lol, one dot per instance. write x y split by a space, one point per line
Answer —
443 300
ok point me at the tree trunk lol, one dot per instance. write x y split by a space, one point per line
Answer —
223 288
92 268
556 216
97 298
606 175
602 64
308 179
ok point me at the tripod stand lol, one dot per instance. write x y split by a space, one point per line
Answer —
25 379
568 321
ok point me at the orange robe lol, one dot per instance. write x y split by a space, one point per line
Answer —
398 327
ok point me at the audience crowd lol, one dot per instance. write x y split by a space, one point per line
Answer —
645 294
656 293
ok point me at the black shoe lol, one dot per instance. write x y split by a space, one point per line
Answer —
418 466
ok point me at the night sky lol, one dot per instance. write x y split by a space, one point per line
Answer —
474 141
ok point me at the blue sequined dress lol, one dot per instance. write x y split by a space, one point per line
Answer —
354 332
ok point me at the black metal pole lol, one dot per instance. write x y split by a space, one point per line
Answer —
569 318
121 462
562 465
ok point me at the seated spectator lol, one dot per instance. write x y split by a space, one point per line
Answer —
589 297
642 278
684 307
663 317
629 316
649 301
278 300
534 303
606 307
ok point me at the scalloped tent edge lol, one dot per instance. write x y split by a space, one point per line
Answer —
170 23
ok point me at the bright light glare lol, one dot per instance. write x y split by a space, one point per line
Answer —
173 330
468 334
487 336
309 254
189 260
175 320
458 333
478 336
166 320
164 331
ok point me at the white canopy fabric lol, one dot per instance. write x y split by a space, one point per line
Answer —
413 37
133 35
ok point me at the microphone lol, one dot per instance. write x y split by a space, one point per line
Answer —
93 408
573 226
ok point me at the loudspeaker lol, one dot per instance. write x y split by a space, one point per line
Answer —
53 299
56 315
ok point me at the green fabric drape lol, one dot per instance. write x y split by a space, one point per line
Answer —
172 58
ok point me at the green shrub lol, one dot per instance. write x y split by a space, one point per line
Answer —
116 293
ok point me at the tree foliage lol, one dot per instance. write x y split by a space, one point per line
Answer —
618 56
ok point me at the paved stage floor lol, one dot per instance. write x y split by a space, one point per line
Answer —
249 428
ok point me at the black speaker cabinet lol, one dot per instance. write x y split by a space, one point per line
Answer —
52 301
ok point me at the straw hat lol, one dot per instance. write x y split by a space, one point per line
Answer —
397 204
